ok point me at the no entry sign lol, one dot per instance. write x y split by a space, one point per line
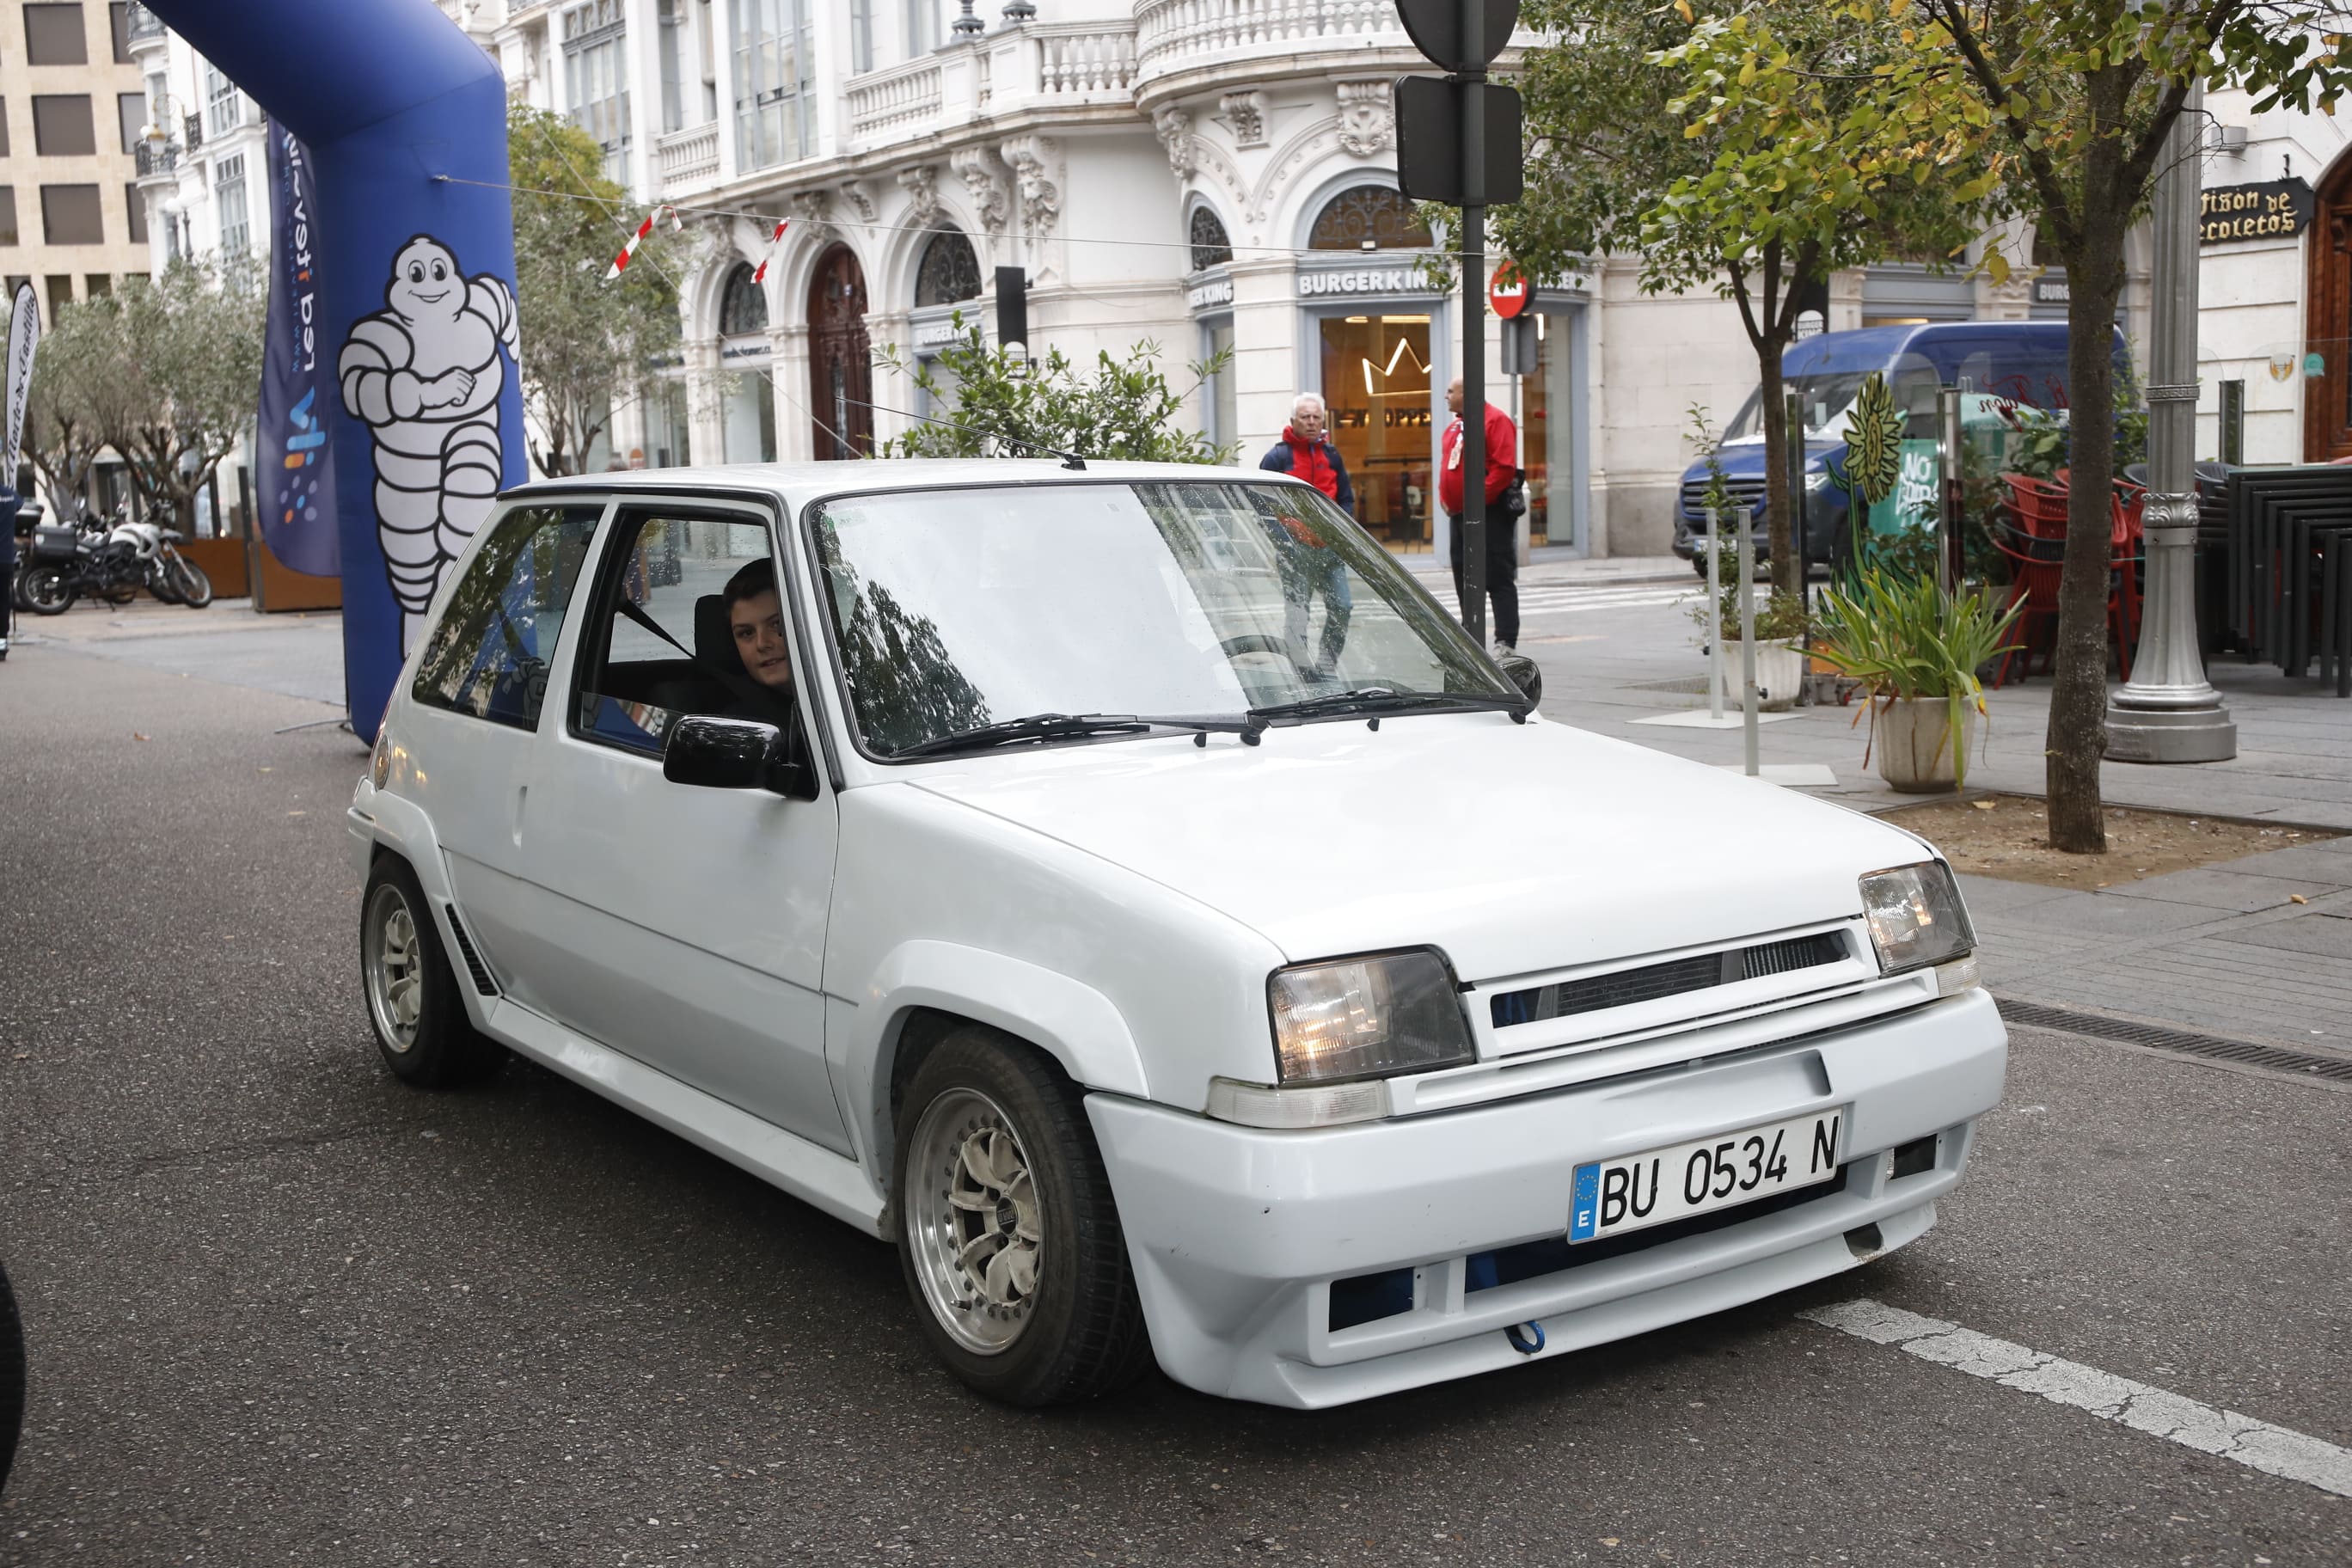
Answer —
1506 290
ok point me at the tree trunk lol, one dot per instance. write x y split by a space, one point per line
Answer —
1779 500
2078 736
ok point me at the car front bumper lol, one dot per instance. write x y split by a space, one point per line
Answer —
1236 1234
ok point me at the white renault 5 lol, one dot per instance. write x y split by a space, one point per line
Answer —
1131 894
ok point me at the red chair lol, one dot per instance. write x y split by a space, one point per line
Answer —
2039 508
2035 564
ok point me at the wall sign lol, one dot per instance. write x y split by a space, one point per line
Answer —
2050 291
1364 281
931 335
2276 209
1215 292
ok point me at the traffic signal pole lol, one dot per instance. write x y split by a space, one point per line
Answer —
1474 324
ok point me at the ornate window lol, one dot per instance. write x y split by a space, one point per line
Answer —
775 83
948 271
1210 246
1369 218
742 307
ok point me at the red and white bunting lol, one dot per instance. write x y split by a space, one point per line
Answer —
621 262
775 241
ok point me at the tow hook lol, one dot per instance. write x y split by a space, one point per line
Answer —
1526 1338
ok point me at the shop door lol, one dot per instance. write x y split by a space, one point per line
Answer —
1376 387
2328 323
840 358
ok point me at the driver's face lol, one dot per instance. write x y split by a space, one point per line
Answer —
757 623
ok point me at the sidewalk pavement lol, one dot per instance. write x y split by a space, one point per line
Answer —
297 653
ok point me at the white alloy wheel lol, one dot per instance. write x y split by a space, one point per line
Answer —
394 966
975 1225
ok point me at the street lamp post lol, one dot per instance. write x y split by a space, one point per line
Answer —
2168 711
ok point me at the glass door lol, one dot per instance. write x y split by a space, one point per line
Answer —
1376 385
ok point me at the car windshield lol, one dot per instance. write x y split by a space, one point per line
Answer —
957 608
1825 398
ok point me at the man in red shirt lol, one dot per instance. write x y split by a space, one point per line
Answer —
1502 532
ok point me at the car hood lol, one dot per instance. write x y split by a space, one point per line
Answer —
1515 848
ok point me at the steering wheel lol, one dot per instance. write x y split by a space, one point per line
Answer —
1255 642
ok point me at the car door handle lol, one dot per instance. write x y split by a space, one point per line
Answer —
522 793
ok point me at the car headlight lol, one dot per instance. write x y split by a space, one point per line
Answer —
1916 917
1818 479
1366 1018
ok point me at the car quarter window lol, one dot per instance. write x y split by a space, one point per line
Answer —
488 653
687 620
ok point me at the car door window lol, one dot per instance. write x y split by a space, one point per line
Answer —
663 643
488 653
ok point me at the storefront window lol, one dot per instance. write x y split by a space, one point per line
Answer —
750 414
1369 218
1376 385
1218 419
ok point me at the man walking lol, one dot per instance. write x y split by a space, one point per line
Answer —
1311 569
1502 531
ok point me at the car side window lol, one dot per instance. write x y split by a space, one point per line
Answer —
663 643
487 654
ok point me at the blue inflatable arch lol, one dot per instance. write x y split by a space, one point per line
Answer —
412 256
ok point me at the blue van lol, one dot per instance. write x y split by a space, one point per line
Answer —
2025 362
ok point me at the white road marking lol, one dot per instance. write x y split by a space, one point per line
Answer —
2225 1434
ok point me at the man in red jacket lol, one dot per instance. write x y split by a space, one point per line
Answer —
1502 532
1311 569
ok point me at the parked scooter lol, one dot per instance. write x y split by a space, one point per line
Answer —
110 561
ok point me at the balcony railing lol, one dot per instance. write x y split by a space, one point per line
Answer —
153 159
884 104
1083 58
688 160
1172 35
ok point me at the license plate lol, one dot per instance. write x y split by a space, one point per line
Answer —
1613 1196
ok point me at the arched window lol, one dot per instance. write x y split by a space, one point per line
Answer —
1210 246
742 307
1369 218
948 271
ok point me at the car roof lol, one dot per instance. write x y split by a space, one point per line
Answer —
796 484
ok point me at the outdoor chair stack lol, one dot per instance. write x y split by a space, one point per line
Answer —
2290 568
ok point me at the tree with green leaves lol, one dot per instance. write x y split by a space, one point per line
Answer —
1633 150
997 404
587 344
166 374
2070 107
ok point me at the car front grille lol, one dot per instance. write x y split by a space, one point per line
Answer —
1747 493
1653 982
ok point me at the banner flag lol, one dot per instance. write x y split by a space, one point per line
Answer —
23 335
294 485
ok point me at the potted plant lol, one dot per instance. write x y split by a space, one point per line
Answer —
1781 622
1915 649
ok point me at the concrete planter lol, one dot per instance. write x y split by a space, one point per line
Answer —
1779 674
1913 741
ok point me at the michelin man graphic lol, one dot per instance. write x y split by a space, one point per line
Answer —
425 373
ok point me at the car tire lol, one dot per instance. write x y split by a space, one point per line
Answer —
1051 1317
413 1002
12 1378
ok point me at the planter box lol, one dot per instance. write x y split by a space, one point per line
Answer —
1912 740
1779 674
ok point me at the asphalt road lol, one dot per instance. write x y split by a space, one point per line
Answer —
282 1310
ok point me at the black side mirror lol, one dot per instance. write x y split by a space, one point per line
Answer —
734 753
1523 673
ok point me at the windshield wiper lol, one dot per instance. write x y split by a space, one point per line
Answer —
1387 699
1074 726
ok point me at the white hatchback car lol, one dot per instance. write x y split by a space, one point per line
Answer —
1131 893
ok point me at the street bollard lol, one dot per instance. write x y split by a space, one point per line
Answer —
1715 632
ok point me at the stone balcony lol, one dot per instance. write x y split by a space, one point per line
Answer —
1041 68
686 162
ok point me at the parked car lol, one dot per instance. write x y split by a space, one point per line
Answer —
1037 889
2023 361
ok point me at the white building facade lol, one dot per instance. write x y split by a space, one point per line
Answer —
1201 174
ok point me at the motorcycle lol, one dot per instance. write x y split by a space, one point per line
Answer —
108 561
